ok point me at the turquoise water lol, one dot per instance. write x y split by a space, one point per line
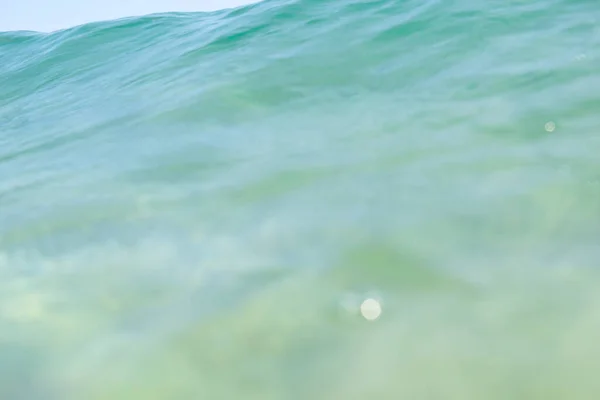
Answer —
193 206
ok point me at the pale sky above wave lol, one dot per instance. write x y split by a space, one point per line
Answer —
50 15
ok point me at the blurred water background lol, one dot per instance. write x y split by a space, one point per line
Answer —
194 205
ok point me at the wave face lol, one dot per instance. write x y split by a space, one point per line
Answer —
193 206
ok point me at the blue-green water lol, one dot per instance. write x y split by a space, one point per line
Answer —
193 206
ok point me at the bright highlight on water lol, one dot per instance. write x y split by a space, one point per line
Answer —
370 309
187 201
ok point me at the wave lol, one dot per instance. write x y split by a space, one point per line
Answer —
211 196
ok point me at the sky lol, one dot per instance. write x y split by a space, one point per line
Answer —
50 15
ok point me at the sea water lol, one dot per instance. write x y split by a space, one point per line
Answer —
304 199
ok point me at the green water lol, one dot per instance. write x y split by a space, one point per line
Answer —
193 206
